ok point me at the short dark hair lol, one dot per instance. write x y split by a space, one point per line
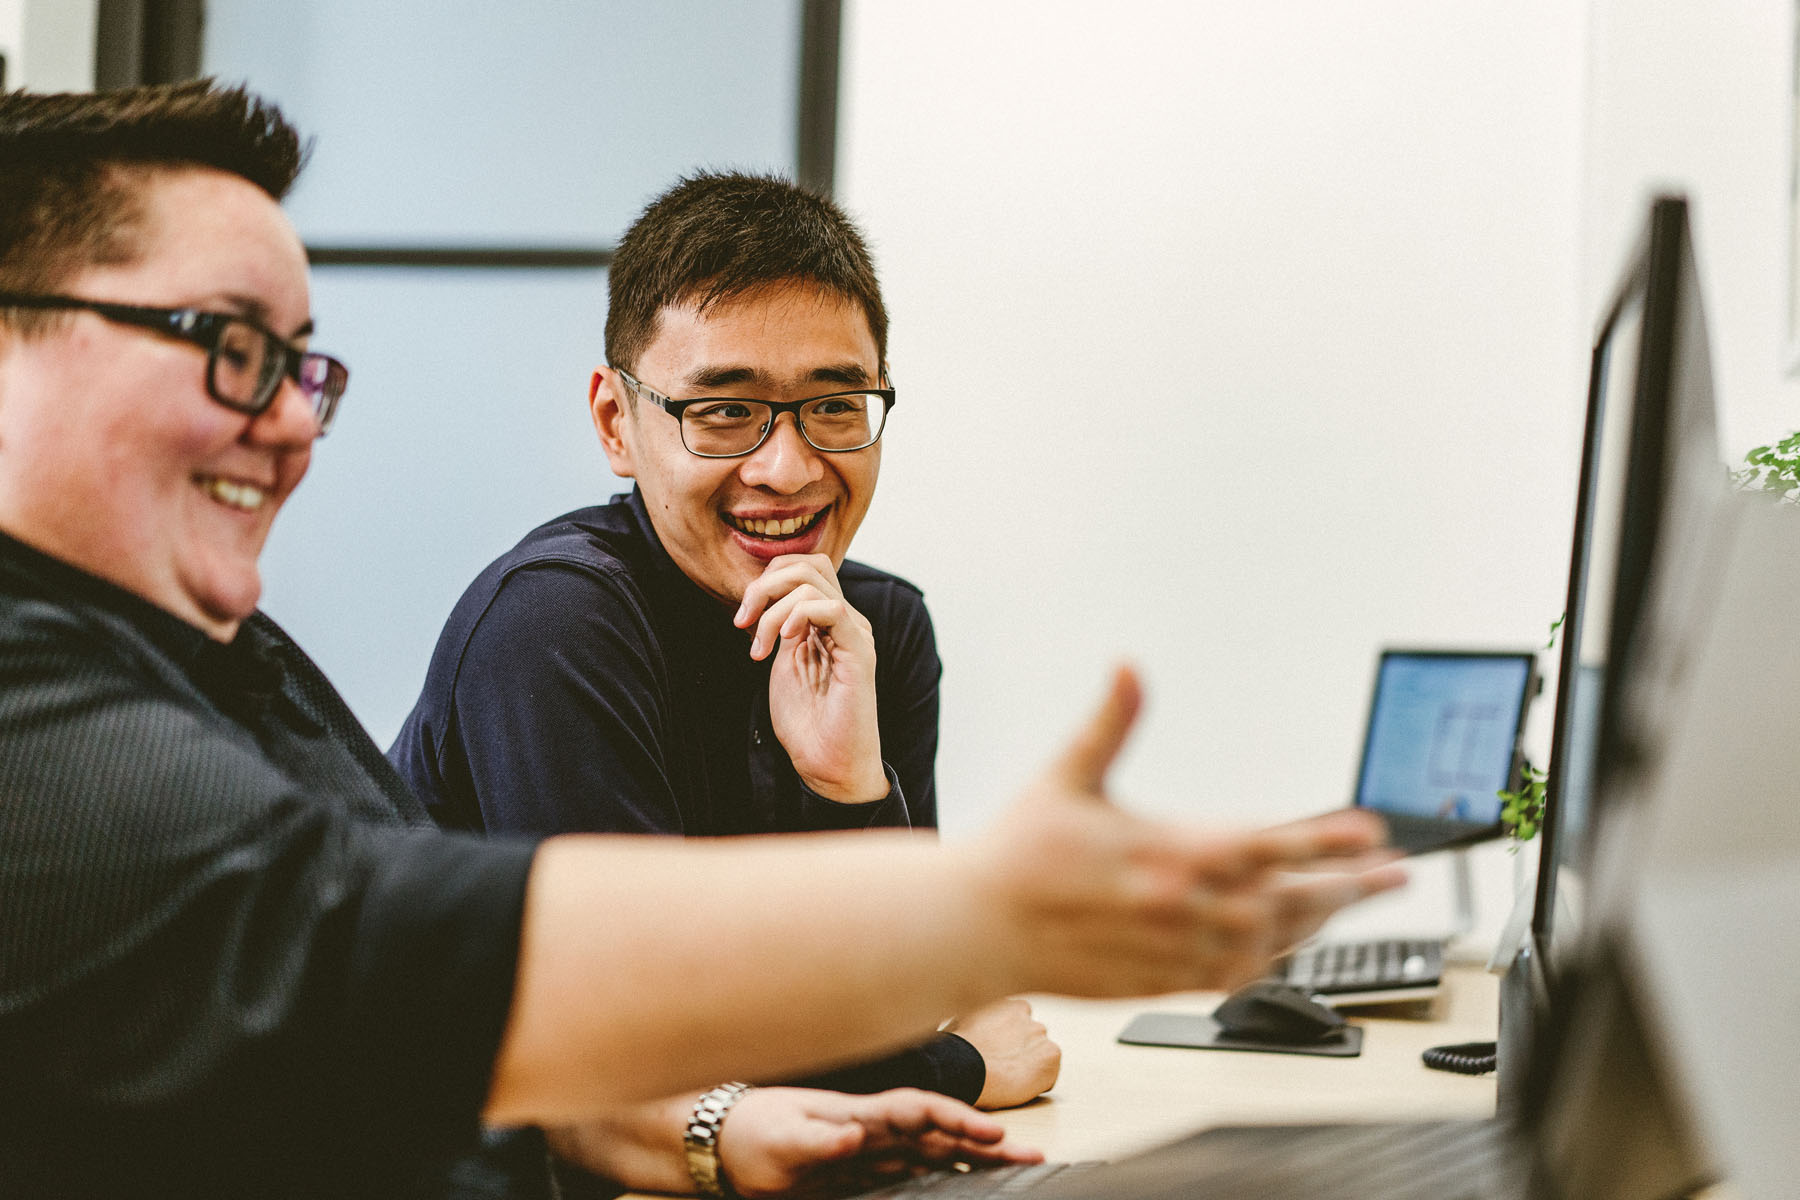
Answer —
718 236
72 165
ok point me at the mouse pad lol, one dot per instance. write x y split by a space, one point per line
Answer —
1197 1031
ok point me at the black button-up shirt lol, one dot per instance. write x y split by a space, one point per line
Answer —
230 961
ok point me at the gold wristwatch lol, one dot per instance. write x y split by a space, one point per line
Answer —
701 1138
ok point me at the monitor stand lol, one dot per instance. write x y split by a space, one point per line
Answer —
1462 896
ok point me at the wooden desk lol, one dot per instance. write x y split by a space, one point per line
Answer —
1114 1100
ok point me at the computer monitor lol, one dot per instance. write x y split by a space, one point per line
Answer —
1649 464
1613 1119
1442 742
1713 877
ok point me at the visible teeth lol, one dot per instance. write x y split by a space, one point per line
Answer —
787 527
245 496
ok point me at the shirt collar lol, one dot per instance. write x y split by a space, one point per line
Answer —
671 590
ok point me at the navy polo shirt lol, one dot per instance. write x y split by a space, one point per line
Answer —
584 684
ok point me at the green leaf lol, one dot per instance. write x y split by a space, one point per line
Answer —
1522 811
1772 470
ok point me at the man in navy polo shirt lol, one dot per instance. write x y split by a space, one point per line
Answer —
698 657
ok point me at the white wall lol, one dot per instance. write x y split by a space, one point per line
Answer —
1698 96
61 38
12 28
1238 340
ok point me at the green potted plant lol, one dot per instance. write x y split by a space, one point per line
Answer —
1772 471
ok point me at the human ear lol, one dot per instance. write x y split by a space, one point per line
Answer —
611 414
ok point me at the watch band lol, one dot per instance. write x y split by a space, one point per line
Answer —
701 1138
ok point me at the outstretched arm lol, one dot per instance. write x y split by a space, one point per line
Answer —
647 967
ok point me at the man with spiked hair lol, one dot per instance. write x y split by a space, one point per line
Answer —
699 657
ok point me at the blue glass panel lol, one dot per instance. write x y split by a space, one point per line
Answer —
458 122
465 425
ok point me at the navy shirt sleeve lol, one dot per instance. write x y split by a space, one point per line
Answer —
822 814
907 676
947 1064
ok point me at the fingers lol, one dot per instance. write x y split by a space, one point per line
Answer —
808 608
785 1141
1304 902
1083 764
782 576
805 609
912 1112
1142 907
1259 893
1344 830
1342 841
936 1129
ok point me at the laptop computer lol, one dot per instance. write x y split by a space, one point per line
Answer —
1442 742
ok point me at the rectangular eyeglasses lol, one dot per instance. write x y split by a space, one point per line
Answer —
245 363
727 427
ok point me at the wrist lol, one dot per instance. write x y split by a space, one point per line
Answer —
870 786
636 1146
700 1138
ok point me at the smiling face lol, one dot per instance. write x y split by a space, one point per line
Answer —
723 519
113 457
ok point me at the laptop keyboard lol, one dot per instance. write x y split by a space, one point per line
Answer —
1373 966
1458 1160
984 1182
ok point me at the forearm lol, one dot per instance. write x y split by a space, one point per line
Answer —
794 954
637 1145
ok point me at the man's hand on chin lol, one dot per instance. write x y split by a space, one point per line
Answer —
822 685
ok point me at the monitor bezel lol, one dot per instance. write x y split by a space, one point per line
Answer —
1653 279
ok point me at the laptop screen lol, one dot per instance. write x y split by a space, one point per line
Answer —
1443 732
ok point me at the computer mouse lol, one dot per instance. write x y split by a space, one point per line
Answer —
1270 1011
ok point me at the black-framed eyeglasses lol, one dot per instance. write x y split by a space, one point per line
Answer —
727 427
245 363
